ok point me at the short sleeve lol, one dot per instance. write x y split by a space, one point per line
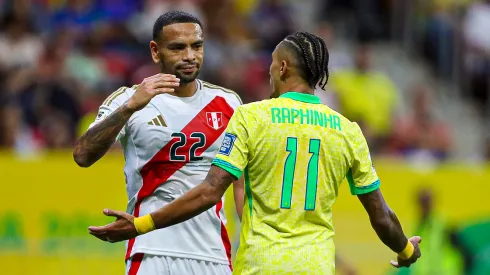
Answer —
114 101
362 176
233 152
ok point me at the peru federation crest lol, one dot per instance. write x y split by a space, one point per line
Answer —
214 119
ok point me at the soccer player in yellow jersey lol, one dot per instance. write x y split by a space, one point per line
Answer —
294 153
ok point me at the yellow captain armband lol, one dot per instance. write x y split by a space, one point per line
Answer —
144 224
407 252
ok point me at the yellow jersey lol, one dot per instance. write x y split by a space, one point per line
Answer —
294 153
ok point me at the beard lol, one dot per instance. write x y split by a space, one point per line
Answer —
176 70
186 78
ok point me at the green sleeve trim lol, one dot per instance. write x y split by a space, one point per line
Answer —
366 189
352 184
248 192
237 173
355 190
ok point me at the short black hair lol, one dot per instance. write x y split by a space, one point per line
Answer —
173 17
312 55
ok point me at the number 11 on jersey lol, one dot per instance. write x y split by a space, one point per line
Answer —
311 177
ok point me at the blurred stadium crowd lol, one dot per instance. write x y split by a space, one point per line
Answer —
59 59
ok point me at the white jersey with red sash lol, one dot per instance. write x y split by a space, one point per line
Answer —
169 146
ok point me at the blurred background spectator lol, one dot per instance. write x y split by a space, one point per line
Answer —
420 132
477 52
441 255
367 97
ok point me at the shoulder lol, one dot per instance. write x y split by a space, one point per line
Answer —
258 105
254 111
353 133
120 96
228 94
342 118
350 129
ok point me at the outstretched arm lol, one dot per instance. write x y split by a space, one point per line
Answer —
388 228
228 166
197 200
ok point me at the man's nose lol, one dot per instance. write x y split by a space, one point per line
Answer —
189 55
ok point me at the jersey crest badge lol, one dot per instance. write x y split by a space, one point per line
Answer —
214 119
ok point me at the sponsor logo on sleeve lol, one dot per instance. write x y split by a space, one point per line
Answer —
227 144
102 114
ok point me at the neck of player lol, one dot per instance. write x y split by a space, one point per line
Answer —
296 84
186 89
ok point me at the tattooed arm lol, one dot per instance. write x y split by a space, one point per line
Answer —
97 140
92 145
384 221
192 203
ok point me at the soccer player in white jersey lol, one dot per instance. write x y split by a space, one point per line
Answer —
170 127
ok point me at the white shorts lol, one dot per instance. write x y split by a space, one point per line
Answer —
144 264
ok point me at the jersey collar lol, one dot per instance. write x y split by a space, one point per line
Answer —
301 97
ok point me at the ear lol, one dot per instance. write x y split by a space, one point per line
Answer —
283 70
154 52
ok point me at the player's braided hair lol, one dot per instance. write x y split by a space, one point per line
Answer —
173 17
312 55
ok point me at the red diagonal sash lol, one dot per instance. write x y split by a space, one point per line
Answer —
159 169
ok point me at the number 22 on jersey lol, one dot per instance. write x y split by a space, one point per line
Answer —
311 178
198 141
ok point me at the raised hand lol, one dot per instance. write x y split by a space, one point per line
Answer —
150 87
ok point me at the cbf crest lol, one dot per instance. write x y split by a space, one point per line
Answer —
214 119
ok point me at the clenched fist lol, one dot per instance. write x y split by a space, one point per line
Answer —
150 87
416 240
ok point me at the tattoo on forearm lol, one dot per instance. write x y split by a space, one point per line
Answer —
195 201
219 178
92 145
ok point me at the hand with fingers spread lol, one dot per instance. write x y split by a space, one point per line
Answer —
123 228
150 87
410 254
